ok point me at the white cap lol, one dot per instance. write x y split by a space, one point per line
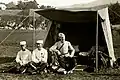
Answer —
43 22
39 41
23 43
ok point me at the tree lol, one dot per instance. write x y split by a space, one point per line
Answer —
42 7
27 5
31 5
114 13
21 5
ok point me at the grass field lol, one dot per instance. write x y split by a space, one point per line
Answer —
108 74
19 35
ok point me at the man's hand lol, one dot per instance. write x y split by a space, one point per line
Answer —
71 56
21 63
42 61
61 56
67 55
50 50
57 51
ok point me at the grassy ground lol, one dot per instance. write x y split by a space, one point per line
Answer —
110 74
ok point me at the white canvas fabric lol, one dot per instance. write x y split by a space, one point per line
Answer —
107 32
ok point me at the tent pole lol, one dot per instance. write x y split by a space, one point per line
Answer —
97 44
33 29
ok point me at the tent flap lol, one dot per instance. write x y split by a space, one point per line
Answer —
107 32
68 16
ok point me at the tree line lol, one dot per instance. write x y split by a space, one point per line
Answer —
27 5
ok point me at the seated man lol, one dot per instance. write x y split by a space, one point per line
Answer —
39 57
23 58
65 58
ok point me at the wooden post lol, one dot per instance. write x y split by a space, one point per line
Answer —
97 44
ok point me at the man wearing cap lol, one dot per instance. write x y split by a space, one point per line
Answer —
23 57
62 49
39 57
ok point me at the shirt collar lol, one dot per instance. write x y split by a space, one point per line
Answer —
24 50
39 50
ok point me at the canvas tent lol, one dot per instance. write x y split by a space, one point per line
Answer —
85 27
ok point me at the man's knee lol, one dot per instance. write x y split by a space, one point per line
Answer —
44 64
17 65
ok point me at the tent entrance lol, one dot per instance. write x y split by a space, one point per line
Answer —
82 34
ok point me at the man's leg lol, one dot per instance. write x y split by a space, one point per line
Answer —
24 68
72 63
50 57
13 69
54 59
17 68
69 63
32 68
42 66
33 65
62 62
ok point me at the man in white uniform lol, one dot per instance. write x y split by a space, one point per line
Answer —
23 58
65 53
39 57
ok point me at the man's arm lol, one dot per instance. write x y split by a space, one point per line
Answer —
54 48
18 60
34 58
72 49
30 57
45 57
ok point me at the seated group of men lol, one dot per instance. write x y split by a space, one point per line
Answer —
37 60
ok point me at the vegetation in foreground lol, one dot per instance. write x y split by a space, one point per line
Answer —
108 74
103 74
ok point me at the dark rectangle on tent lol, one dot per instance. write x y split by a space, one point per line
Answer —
68 16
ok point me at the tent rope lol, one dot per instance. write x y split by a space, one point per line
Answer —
12 31
114 12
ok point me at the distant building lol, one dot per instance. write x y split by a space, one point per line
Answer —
2 6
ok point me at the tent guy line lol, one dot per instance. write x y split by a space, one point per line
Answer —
13 30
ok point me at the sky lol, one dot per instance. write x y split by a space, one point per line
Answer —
57 3
54 2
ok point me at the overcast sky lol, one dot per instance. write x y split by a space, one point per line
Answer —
59 2
54 2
